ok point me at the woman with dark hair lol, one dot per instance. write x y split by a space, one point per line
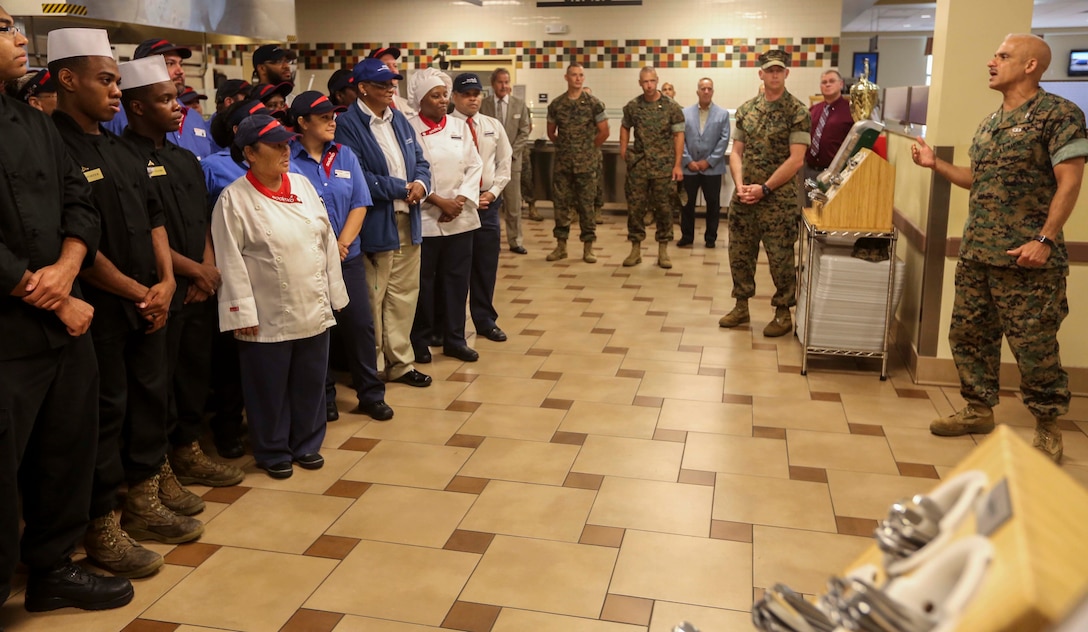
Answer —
281 282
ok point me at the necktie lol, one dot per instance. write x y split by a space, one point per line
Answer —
475 141
814 150
502 110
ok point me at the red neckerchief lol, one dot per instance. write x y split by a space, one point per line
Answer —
432 127
283 195
330 157
184 113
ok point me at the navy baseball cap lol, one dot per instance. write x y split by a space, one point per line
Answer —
244 109
263 91
232 88
312 102
272 52
466 82
261 128
157 46
190 96
341 79
41 83
378 53
373 71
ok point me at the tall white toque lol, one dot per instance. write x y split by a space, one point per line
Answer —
143 72
66 43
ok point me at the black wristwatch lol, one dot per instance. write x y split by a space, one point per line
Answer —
766 189
1046 241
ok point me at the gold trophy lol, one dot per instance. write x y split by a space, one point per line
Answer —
863 96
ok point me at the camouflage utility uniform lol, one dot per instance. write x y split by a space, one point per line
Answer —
574 182
767 129
1012 165
650 159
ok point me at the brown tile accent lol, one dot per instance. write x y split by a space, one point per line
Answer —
312 621
469 541
517 288
602 536
568 276
620 273
602 330
332 546
763 432
532 332
1006 393
630 373
632 610
630 286
764 346
703 298
672 330
617 350
735 531
674 274
593 314
465 441
810 474
1068 424
584 481
569 438
511 276
690 348
463 407
347 489
581 299
462 377
729 398
711 371
360 444
649 402
577 288
697 477
523 302
789 368
675 436
644 299
688 285
912 393
225 494
547 375
818 396
654 312
871 430
529 315
863 527
147 625
539 352
920 470
467 484
471 617
557 404
192 554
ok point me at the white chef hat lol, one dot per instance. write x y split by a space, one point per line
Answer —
66 43
143 72
423 81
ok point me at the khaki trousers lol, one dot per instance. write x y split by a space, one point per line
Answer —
393 283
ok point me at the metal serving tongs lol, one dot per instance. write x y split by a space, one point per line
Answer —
910 525
783 610
857 605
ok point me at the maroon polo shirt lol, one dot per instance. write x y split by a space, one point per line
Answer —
839 122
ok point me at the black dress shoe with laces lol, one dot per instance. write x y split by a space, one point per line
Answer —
378 411
311 461
684 242
229 447
519 250
423 355
72 586
414 378
494 334
462 353
434 340
331 413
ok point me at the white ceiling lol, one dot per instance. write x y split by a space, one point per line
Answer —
867 16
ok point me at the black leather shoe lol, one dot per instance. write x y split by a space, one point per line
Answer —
378 411
423 355
229 447
71 586
494 334
463 354
685 243
414 378
331 413
434 341
311 461
710 244
519 250
278 470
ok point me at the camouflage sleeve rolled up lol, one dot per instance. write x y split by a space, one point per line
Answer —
802 123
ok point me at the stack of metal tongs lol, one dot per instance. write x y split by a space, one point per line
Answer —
910 525
855 604
783 610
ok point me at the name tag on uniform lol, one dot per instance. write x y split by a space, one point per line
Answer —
93 175
517 116
489 133
199 131
456 137
340 173
154 171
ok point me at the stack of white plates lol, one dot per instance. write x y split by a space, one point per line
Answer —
849 300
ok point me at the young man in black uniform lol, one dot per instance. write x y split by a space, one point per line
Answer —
131 285
49 390
178 181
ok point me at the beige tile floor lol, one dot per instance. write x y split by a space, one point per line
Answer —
619 465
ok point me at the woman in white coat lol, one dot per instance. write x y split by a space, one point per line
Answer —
449 217
280 263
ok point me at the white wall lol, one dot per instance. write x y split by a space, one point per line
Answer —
902 60
1060 45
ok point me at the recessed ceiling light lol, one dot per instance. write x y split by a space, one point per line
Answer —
906 26
926 16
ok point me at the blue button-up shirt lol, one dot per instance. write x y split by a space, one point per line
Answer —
194 134
339 181
220 171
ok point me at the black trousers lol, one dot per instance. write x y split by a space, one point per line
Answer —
712 193
486 245
226 401
355 326
445 268
189 335
132 408
48 432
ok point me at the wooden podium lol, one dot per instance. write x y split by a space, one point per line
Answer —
862 201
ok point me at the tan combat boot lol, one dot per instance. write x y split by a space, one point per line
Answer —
738 316
973 419
663 255
112 549
175 497
635 257
191 466
560 251
1048 438
781 325
534 214
587 252
146 518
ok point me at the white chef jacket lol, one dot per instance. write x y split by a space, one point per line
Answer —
456 169
495 152
279 261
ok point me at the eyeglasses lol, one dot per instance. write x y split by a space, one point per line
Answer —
10 31
385 85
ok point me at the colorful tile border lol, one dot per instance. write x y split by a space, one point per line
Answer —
808 52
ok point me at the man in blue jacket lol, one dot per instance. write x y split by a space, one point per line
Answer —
399 179
706 136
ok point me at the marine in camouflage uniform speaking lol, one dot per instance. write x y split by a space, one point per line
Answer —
1027 164
768 149
653 165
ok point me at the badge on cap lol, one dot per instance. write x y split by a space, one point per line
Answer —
67 43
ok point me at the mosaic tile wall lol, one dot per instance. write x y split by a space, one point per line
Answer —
808 52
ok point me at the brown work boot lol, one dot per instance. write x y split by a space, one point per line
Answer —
738 315
663 255
560 251
635 257
191 466
1048 438
112 549
587 252
781 325
973 419
146 518
534 214
175 497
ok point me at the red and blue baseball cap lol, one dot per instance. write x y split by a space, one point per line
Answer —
232 88
272 52
159 46
190 96
378 53
261 128
40 83
341 79
264 91
312 102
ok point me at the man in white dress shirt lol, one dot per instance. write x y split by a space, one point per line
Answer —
514 116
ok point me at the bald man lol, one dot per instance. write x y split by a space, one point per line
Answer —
1027 164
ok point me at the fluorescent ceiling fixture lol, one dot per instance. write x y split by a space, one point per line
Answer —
926 16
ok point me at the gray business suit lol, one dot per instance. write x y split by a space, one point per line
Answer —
517 126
